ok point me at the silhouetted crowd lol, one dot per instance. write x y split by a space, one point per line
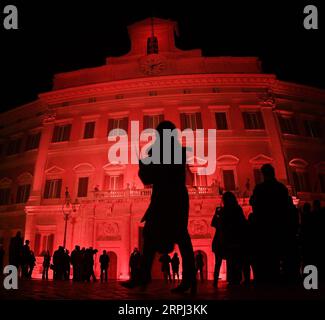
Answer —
274 243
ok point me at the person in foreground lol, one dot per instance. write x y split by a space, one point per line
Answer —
166 218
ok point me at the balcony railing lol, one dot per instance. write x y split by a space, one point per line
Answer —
194 192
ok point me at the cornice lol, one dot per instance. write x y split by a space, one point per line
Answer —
163 82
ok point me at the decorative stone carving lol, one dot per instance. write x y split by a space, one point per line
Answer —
199 228
49 116
108 231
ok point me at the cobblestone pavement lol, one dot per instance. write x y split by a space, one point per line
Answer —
157 290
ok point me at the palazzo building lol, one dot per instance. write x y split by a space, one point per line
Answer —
58 143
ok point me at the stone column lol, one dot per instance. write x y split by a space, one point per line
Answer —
274 135
40 165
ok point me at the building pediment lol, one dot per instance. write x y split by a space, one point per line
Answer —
260 159
5 182
84 167
54 170
227 160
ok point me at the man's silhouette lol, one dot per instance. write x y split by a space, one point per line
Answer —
15 250
165 267
76 261
166 218
199 264
134 264
175 266
271 214
104 263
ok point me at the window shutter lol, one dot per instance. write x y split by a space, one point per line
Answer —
110 126
198 121
146 124
58 188
55 136
125 124
47 189
183 121
66 132
260 120
245 118
229 180
37 244
258 176
83 187
120 182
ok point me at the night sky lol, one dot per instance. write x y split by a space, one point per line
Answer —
56 36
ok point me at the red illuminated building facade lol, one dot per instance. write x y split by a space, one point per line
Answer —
60 141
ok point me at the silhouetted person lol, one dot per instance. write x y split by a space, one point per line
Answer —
134 264
175 266
76 261
165 267
290 258
2 255
166 218
104 263
233 227
15 250
271 223
26 259
58 263
31 264
199 264
66 265
46 265
217 244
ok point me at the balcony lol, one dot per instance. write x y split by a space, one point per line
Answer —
200 192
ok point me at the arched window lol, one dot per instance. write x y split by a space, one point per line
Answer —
299 173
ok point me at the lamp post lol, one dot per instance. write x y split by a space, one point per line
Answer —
68 209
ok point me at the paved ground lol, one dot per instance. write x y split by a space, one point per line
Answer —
158 290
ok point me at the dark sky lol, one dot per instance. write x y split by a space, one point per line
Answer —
57 36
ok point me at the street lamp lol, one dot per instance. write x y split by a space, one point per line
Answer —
68 208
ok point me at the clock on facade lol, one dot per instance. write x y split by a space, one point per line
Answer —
153 64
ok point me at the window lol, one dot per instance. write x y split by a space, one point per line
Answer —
288 125
114 182
14 147
253 120
312 129
4 196
258 177
191 121
301 181
83 187
229 180
43 243
61 133
53 189
23 193
321 177
151 122
32 141
152 45
89 131
121 123
221 121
